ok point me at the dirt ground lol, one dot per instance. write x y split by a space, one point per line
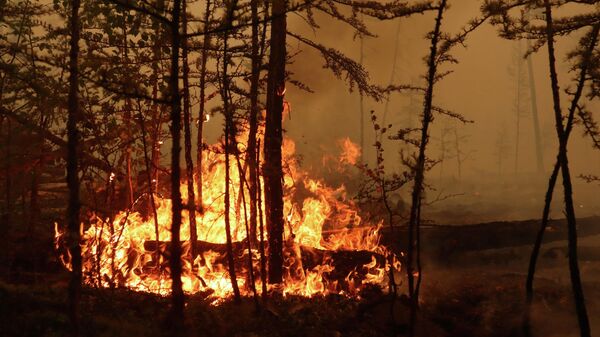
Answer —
479 294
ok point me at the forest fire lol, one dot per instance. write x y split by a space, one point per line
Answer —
147 187
327 247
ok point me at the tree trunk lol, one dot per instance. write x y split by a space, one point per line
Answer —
157 117
540 236
199 140
249 241
8 180
151 200
413 254
127 124
555 171
229 135
73 172
261 230
189 163
272 171
562 134
361 107
254 109
175 258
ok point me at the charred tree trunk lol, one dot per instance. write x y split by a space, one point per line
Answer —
73 172
562 133
189 163
177 306
413 254
261 246
200 142
254 109
272 171
249 241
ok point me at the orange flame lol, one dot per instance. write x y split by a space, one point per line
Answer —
317 216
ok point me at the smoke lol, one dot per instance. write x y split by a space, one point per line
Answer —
481 88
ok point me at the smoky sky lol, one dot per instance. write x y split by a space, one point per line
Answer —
482 87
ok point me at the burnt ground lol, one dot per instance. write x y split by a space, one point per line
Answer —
473 293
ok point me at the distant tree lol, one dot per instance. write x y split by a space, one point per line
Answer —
525 93
517 71
502 148
537 133
444 144
459 153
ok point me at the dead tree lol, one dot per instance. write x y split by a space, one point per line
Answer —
272 169
74 205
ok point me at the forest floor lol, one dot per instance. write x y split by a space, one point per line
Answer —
479 294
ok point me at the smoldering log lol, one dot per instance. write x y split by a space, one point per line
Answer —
343 261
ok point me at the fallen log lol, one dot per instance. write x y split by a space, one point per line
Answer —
343 261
